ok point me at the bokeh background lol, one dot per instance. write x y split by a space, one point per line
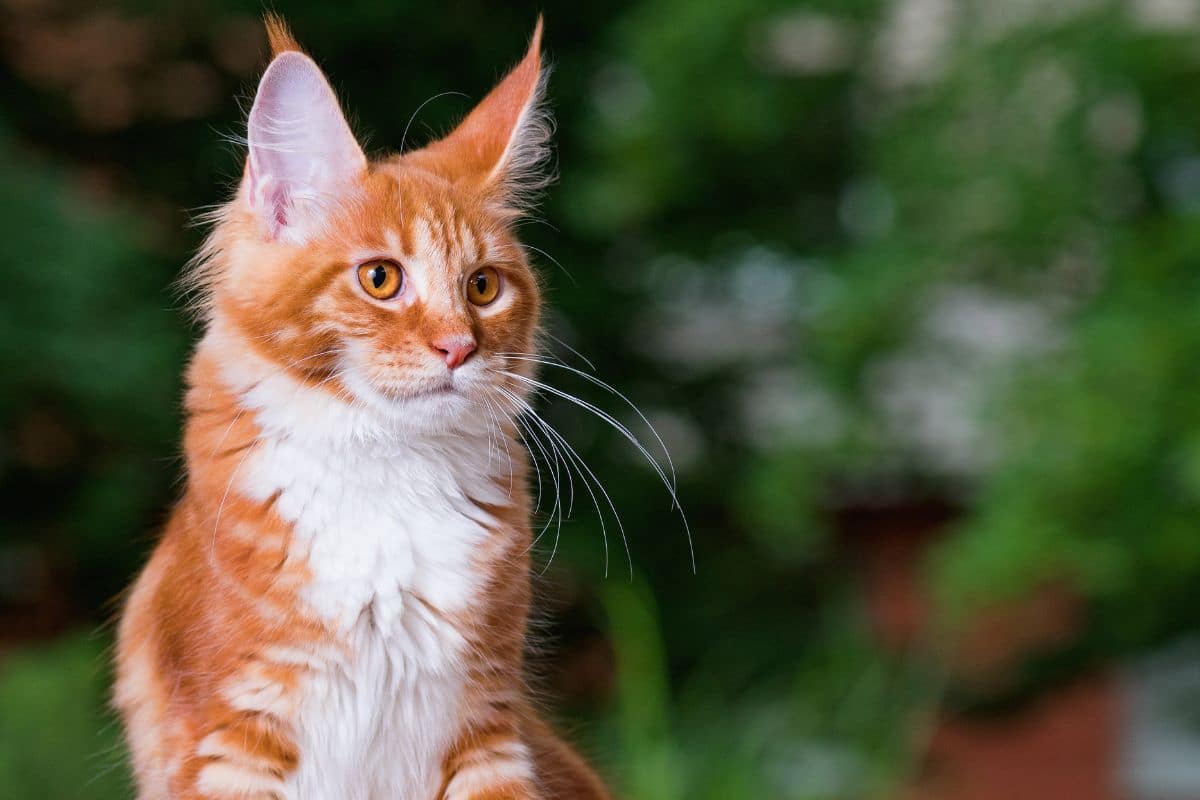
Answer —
911 289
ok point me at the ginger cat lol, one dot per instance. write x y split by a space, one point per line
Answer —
337 607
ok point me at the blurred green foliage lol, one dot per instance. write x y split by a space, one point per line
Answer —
843 254
59 740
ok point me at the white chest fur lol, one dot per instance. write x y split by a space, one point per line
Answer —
391 540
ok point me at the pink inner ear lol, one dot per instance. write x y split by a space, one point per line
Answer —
267 198
301 149
279 202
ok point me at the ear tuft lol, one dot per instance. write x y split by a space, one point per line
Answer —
280 35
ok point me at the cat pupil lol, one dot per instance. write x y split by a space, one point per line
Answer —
378 276
481 283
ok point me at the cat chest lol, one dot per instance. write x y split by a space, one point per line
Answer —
376 721
374 532
392 557
377 718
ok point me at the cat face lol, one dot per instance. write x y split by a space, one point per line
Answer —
394 284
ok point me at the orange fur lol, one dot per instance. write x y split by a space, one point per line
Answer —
220 611
279 35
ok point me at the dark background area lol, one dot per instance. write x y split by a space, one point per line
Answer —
908 287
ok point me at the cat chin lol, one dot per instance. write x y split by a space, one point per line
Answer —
441 409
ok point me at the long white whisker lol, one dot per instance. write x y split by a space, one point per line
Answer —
585 472
523 406
528 429
551 436
557 263
580 355
537 505
668 483
611 420
609 388
507 453
555 515
404 136
583 467
491 440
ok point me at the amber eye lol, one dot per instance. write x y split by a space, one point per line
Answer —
381 279
483 286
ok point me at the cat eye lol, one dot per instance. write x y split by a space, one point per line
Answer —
483 286
383 280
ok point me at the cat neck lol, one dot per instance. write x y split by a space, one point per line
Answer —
372 513
241 406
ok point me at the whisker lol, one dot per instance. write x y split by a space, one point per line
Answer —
404 136
523 406
537 505
491 441
668 483
582 467
528 429
585 472
580 355
611 420
556 262
532 456
503 437
556 514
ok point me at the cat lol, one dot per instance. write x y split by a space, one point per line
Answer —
338 605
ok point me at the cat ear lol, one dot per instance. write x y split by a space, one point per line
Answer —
499 149
302 154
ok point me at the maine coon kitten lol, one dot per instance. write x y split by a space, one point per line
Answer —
338 604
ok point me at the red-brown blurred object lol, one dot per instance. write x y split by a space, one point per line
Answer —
1060 746
1063 746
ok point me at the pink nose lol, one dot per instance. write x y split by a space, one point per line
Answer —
454 348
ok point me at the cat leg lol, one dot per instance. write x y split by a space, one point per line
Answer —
241 746
245 757
490 763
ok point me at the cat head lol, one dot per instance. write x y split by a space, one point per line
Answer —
396 283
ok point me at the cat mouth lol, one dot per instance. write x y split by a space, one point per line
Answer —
397 394
439 391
